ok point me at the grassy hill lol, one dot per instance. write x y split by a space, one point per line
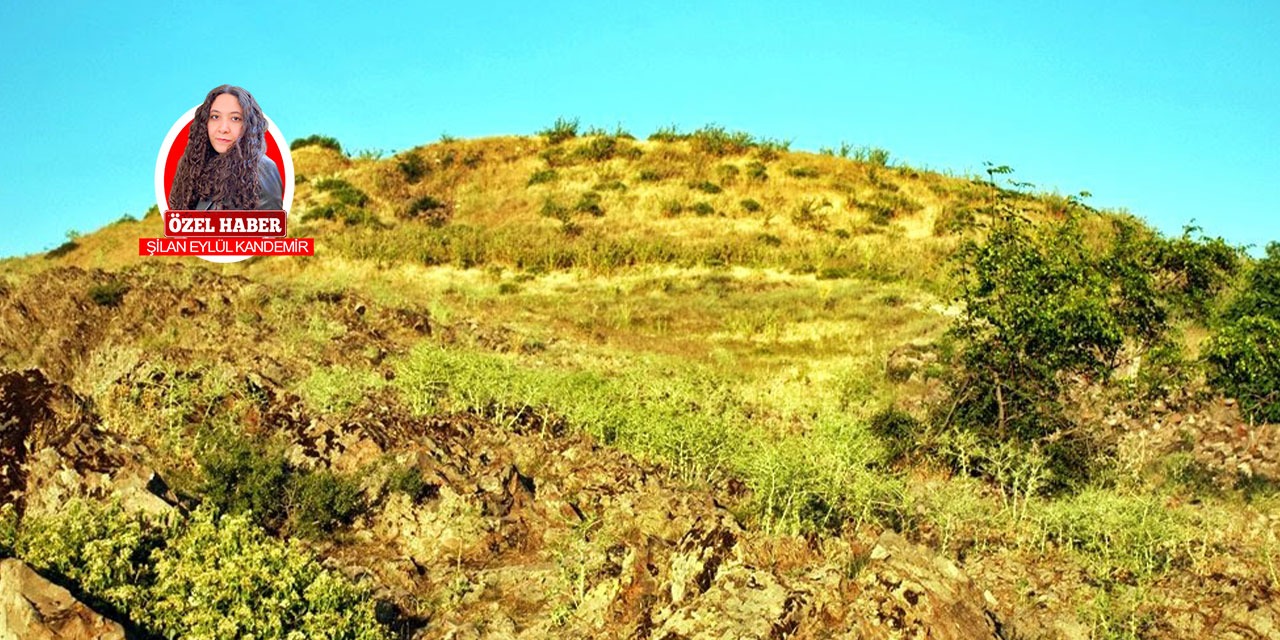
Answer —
764 332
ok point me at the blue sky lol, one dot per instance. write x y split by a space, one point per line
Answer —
1168 109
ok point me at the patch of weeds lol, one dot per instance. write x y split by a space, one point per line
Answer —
412 167
610 185
241 475
542 176
953 219
750 206
316 140
336 389
671 207
768 150
808 214
757 172
109 294
703 208
322 500
407 479
552 208
435 212
649 175
803 171
716 141
562 129
344 202
728 173
589 203
1121 538
705 187
667 134
62 249
769 240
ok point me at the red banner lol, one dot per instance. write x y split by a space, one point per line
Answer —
226 246
180 223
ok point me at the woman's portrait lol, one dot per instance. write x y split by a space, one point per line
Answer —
225 165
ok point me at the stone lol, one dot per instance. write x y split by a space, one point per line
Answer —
32 608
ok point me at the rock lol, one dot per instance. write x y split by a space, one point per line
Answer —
907 591
51 450
32 608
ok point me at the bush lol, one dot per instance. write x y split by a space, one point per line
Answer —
703 209
435 213
1039 303
542 176
243 476
750 206
320 501
716 141
316 140
757 172
560 131
109 294
667 134
671 208
1244 363
200 576
705 187
589 203
803 172
412 167
344 202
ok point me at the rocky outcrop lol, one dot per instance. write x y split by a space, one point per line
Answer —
51 450
32 608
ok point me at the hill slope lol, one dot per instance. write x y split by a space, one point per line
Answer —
596 386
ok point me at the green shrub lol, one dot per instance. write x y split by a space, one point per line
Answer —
1198 270
671 207
434 212
900 431
320 501
199 576
316 140
409 481
728 173
1121 537
750 206
336 389
560 131
599 148
589 203
667 134
1040 303
757 172
716 141
241 475
803 171
702 208
542 176
551 208
343 202
649 175
705 187
1244 363
412 167
109 294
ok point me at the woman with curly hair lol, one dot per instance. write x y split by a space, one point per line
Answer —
225 165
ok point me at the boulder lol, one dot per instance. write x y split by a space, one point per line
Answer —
32 608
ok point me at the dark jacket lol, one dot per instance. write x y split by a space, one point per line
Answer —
270 191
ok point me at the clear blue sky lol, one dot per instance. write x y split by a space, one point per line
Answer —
1170 109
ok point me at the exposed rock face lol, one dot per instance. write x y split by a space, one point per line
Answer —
51 451
32 608
908 592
